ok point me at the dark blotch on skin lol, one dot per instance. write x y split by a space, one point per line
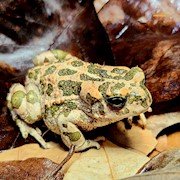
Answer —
103 88
119 71
91 100
116 87
49 70
129 75
33 74
93 69
85 77
77 63
74 136
64 72
49 89
69 87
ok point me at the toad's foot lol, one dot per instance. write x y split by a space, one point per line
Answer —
71 135
91 143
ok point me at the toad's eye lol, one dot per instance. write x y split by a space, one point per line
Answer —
116 101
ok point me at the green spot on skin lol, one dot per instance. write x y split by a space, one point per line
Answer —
126 111
91 100
49 89
133 84
144 103
54 109
70 105
119 71
146 91
123 111
60 55
77 63
75 136
49 70
42 86
130 74
32 97
85 77
67 107
103 88
29 119
93 69
33 74
69 87
131 99
17 99
64 72
66 114
37 71
63 108
30 75
115 89
134 98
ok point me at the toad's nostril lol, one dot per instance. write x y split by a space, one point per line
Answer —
64 125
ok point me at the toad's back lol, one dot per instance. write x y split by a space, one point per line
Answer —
68 77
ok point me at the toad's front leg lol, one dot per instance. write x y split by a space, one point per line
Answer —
71 135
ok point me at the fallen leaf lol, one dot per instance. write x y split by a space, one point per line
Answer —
135 138
165 165
173 141
26 31
33 168
55 153
162 143
98 4
157 123
167 160
168 142
144 140
110 162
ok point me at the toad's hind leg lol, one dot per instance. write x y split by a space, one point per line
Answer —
26 130
71 135
24 105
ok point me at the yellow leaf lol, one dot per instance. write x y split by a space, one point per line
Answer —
135 138
110 162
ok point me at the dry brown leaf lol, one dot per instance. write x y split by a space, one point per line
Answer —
27 31
55 153
110 162
135 138
32 168
164 166
159 175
